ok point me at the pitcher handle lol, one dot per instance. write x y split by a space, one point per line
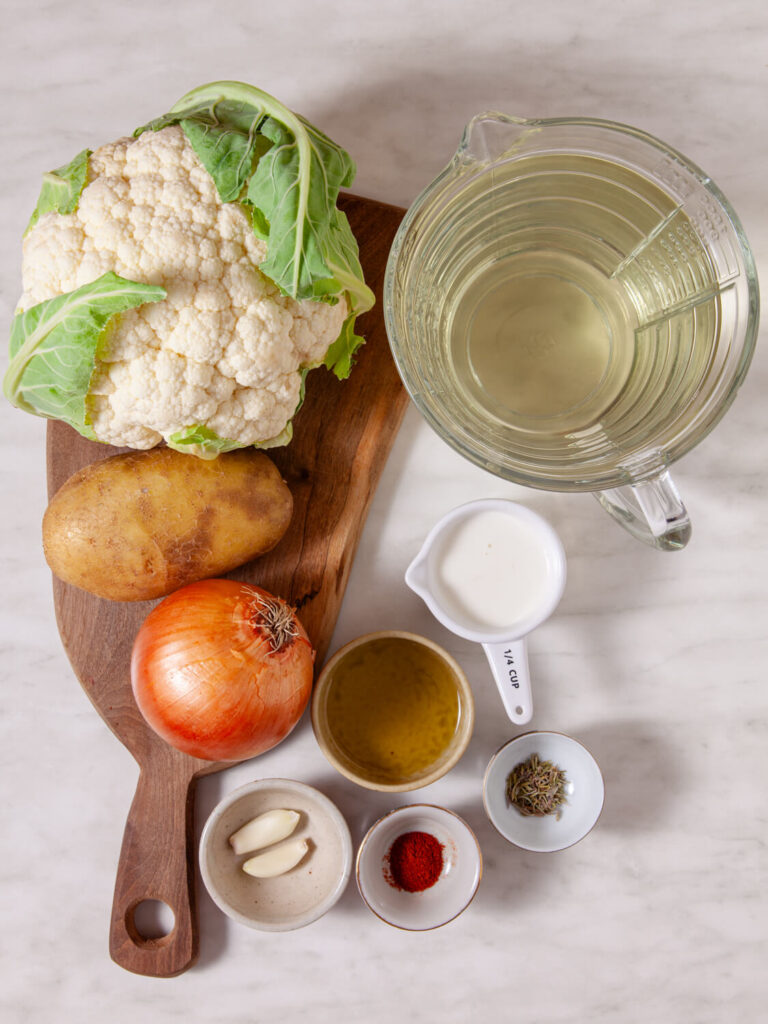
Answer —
509 664
650 510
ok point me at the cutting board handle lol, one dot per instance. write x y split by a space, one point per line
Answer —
157 863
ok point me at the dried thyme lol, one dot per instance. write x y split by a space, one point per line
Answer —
536 787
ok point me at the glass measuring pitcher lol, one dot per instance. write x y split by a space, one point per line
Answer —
573 305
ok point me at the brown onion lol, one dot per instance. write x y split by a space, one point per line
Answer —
222 670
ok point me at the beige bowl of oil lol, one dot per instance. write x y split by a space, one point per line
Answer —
392 711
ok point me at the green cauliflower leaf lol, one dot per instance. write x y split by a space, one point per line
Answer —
54 346
61 189
288 175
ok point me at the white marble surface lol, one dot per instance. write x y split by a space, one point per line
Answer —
656 662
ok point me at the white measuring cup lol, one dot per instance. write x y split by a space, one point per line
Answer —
540 553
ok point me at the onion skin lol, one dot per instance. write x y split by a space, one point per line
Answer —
207 679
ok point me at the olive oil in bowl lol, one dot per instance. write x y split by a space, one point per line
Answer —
392 711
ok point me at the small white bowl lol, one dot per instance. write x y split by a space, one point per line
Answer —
301 895
451 893
585 792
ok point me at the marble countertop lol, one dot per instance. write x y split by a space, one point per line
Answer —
656 662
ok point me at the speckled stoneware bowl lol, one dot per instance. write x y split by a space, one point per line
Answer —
584 791
301 895
453 891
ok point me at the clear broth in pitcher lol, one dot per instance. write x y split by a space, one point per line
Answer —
588 306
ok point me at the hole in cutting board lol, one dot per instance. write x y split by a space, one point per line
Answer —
153 919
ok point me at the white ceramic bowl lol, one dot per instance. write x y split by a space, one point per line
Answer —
454 889
584 790
296 898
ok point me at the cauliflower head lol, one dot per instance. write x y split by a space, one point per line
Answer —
225 348
178 284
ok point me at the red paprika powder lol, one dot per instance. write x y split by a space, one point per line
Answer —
415 861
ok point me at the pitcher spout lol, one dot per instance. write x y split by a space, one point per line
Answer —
491 135
416 576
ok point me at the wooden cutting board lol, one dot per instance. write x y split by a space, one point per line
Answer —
342 436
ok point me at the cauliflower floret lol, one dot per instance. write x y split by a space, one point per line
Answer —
225 347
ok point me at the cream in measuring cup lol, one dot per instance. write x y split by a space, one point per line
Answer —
491 571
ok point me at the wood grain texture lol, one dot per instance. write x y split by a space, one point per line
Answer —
342 436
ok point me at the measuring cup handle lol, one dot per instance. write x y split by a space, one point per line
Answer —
509 664
651 510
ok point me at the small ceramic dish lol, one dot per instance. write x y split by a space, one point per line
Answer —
584 792
451 893
297 897
373 768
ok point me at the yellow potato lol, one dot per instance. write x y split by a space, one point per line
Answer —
139 526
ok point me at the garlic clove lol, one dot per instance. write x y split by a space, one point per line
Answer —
278 860
267 828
